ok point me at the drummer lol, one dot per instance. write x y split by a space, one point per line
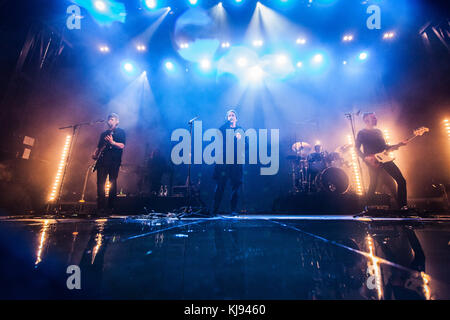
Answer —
316 161
317 155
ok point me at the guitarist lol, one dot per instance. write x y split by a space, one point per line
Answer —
373 142
109 156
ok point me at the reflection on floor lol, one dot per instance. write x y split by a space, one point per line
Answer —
248 257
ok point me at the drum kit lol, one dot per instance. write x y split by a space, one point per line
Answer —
314 170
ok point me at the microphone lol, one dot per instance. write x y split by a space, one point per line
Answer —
192 120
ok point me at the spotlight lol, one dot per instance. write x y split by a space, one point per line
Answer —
388 35
151 4
255 74
100 5
300 41
318 58
299 64
347 38
140 47
225 44
220 4
205 64
344 62
128 67
258 43
184 45
281 59
193 2
170 66
103 49
258 5
363 56
242 62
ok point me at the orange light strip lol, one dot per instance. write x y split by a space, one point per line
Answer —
374 265
107 187
42 239
356 174
62 162
387 137
447 127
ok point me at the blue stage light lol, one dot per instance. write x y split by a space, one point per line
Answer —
317 59
193 2
363 56
100 5
205 64
128 67
104 12
150 4
170 66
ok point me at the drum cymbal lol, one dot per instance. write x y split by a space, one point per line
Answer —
301 147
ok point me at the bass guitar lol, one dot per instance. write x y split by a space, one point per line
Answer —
387 156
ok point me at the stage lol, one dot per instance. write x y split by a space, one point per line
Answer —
272 257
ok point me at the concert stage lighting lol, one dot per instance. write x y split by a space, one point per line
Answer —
258 43
363 56
242 62
150 4
281 60
170 66
255 74
140 47
299 64
344 62
388 35
103 49
225 44
104 12
300 41
355 168
128 67
447 127
62 163
347 38
317 59
205 64
100 5
193 2
220 4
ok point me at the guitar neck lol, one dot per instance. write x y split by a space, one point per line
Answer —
401 144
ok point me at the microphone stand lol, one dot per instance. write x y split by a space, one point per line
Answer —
75 130
189 211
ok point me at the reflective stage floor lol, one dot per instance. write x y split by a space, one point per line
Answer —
244 257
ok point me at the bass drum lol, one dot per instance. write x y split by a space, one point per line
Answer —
332 180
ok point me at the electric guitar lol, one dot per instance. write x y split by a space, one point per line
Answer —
100 153
386 156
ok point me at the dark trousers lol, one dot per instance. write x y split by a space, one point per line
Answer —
220 188
392 169
102 173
